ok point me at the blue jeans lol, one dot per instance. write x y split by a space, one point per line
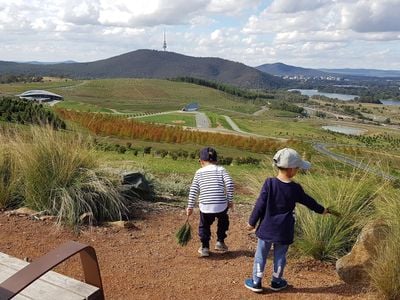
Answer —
260 260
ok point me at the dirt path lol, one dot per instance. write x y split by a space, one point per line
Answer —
145 262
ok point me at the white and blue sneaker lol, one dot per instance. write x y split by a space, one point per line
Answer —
249 283
278 285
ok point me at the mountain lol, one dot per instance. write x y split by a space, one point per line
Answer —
365 72
153 64
280 69
48 62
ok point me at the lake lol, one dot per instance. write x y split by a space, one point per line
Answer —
390 102
310 93
345 130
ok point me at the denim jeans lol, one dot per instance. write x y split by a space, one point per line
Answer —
260 260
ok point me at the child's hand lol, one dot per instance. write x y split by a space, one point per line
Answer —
189 211
333 212
230 206
249 227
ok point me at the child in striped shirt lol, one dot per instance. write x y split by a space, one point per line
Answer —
213 187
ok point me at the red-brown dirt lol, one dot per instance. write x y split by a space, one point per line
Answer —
145 262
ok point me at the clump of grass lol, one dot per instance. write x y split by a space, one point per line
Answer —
59 175
8 175
384 271
174 184
351 194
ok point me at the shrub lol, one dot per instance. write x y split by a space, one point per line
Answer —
384 272
328 237
8 175
174 184
60 177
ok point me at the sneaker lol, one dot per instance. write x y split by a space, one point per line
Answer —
257 288
279 285
220 246
204 252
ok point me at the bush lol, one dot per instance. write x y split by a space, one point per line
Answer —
174 184
384 272
8 175
60 177
328 237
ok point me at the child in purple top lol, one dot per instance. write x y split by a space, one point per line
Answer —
274 213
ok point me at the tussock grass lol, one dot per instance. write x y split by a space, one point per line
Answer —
384 272
174 184
60 176
9 178
351 194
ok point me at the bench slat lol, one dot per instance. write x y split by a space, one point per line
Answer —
52 285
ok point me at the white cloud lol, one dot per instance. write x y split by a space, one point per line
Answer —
290 6
231 6
250 31
372 16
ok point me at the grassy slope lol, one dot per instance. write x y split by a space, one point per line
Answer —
137 95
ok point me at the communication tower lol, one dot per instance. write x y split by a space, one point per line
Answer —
165 42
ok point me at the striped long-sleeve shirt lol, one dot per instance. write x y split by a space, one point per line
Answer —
214 188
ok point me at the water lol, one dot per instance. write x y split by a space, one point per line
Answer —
345 130
390 102
343 97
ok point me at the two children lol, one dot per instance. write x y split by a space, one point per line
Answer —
273 211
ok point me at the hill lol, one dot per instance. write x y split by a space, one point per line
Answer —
280 69
365 72
153 64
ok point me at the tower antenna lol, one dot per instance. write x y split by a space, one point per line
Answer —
165 42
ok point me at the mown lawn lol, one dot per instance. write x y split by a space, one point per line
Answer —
180 119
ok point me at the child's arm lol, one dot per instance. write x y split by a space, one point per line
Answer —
260 207
229 187
310 202
193 193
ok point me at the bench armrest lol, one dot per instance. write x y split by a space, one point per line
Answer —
24 277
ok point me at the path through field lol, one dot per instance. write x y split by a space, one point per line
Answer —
145 262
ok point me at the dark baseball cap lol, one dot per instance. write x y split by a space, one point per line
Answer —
208 154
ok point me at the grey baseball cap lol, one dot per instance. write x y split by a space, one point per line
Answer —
289 158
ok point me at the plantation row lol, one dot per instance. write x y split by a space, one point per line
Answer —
175 155
27 112
116 126
229 89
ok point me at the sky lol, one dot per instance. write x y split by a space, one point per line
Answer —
305 33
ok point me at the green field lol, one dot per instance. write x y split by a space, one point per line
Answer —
179 119
136 95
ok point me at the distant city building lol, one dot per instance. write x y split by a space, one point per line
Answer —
191 107
40 96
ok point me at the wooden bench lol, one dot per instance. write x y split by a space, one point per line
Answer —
23 280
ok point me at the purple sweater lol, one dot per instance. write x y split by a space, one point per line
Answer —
276 224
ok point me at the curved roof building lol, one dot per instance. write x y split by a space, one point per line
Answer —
39 95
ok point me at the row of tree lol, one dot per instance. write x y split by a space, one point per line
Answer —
21 111
10 78
103 124
229 89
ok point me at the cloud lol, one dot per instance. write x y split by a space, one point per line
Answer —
231 6
323 20
372 16
250 31
290 6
